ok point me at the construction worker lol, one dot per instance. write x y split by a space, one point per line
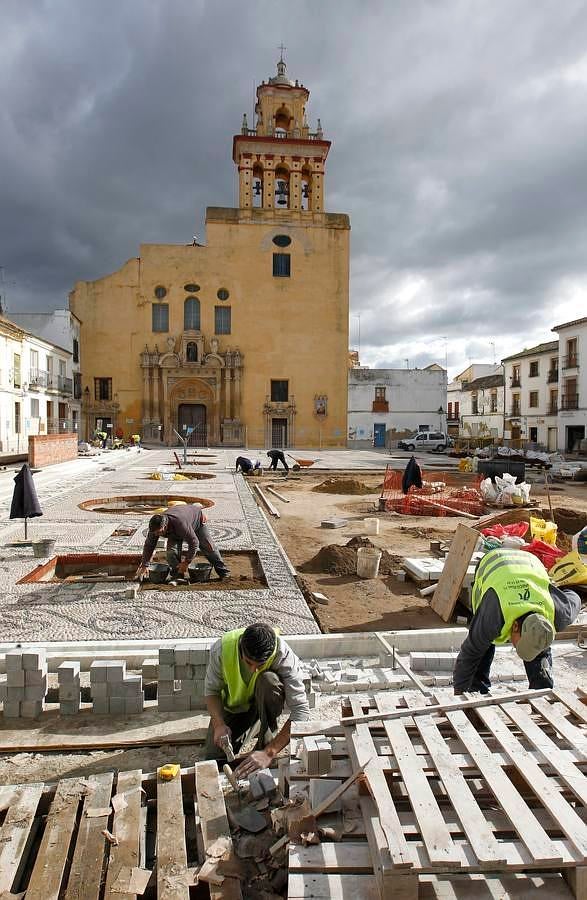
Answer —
513 600
136 440
247 465
178 524
277 456
252 672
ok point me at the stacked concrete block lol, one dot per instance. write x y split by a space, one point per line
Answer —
113 691
432 662
69 688
150 670
26 683
316 755
181 674
320 789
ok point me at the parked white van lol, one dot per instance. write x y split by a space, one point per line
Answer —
426 440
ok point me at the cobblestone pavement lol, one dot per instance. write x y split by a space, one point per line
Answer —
33 612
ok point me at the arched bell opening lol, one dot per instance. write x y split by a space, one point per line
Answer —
282 121
306 189
282 192
258 186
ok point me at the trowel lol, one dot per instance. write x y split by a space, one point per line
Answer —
248 818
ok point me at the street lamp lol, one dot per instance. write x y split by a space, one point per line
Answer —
440 412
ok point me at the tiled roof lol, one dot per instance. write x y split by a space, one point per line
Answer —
569 324
486 381
547 347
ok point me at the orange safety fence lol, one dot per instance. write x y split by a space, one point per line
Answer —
441 494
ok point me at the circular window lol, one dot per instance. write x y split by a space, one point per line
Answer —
282 240
222 294
160 292
191 288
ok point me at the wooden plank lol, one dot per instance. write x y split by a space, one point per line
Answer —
366 755
506 794
85 875
213 822
577 881
332 858
171 847
435 833
17 833
272 509
442 707
332 887
548 794
573 703
403 665
477 829
556 758
575 736
277 494
49 867
453 574
127 829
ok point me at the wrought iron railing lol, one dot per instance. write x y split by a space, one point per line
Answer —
570 401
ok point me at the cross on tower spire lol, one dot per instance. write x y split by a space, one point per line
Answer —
281 48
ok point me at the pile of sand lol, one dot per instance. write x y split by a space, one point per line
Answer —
343 486
335 559
569 520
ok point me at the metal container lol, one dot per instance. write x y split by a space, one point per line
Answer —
199 572
158 573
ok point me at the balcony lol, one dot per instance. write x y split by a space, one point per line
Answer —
515 412
570 401
380 406
452 417
65 385
59 426
38 378
552 376
571 362
515 381
552 409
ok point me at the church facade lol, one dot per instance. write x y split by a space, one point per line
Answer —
242 341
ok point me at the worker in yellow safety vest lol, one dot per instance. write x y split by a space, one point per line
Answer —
252 674
513 600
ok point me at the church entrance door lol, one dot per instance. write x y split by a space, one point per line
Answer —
191 419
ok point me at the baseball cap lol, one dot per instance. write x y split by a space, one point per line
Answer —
537 634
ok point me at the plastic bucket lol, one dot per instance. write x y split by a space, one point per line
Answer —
371 526
200 572
44 548
158 573
368 559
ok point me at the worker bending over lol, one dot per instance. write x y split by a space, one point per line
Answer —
513 600
277 456
178 524
247 465
252 673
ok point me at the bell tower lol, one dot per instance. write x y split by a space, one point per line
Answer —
280 161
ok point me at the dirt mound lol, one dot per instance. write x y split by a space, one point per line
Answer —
343 486
335 559
569 520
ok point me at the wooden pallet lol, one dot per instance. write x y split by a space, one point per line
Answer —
498 790
52 843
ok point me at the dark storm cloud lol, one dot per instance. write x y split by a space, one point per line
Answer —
458 129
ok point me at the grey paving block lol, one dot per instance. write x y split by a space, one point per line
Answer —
166 672
166 656
35 676
99 690
99 670
165 688
181 656
2 691
34 692
69 692
68 671
134 706
150 669
116 706
116 671
15 678
34 659
69 707
100 706
11 709
197 702
165 703
31 709
181 702
320 788
13 660
198 656
14 694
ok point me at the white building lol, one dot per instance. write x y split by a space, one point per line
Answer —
388 404
482 409
572 385
531 397
36 388
459 397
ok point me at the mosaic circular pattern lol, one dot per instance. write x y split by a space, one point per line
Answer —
221 533
140 503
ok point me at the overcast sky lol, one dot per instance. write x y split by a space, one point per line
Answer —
459 150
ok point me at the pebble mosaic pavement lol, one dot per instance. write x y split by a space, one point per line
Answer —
29 612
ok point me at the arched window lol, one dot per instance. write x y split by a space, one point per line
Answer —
191 314
191 352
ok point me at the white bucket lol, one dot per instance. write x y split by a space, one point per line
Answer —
43 548
371 526
368 559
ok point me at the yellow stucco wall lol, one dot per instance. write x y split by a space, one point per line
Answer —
292 328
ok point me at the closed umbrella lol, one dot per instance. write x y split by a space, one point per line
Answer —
25 503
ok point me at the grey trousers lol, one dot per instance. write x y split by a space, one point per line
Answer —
206 546
266 709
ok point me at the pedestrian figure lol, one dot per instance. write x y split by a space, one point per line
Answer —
277 456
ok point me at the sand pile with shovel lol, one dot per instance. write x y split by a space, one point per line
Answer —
335 559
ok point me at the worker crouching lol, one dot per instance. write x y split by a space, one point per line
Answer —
252 674
513 600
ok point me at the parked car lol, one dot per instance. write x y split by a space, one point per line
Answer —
426 440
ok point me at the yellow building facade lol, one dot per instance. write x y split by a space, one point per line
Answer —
242 341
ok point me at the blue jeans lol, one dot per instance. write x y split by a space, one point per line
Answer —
206 546
538 670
